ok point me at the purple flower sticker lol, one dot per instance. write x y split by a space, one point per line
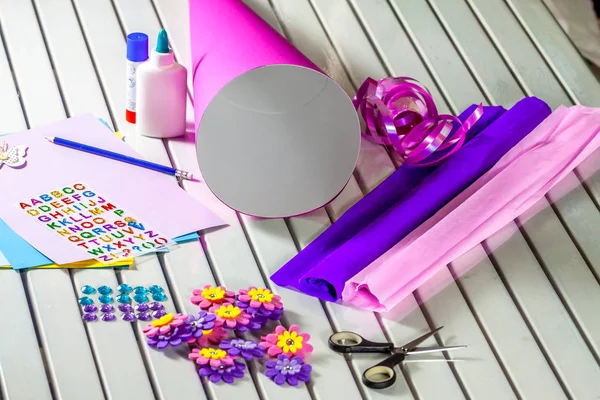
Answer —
245 348
172 338
203 321
290 370
226 373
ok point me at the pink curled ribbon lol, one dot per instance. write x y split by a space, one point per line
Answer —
400 113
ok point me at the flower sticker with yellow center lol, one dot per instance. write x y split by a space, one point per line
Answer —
260 294
213 293
215 354
289 342
228 312
162 321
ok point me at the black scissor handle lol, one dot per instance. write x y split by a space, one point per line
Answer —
382 375
350 342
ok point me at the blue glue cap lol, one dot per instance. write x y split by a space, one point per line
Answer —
137 47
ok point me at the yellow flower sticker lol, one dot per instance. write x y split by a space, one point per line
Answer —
162 321
289 342
215 354
213 293
260 294
228 312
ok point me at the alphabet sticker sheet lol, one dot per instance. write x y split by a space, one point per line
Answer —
150 199
92 224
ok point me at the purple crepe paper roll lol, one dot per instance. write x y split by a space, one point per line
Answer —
386 194
326 279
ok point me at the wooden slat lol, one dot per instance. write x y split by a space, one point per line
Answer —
572 278
24 43
546 315
171 374
107 54
364 323
51 291
80 89
22 372
500 318
469 35
9 100
114 345
442 67
563 58
69 355
519 53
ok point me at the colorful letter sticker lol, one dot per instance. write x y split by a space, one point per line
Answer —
89 221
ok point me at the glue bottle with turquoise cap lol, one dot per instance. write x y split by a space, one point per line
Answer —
161 93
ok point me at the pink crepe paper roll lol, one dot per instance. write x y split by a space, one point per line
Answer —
520 179
276 136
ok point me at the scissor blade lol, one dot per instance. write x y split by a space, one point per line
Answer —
424 350
411 345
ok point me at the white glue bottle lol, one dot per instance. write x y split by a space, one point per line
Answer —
161 93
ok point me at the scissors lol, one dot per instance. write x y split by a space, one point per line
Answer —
382 375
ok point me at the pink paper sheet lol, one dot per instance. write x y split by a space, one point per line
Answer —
151 196
513 185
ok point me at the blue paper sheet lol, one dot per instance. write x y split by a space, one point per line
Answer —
3 261
15 251
19 253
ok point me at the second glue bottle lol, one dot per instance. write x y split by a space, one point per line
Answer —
161 93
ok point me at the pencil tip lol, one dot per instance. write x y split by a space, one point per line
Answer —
50 139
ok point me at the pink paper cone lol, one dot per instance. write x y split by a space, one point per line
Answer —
228 39
275 136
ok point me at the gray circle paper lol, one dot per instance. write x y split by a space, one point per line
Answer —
278 141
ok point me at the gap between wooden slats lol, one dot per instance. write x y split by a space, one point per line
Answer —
460 26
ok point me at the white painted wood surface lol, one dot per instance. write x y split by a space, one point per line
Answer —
528 311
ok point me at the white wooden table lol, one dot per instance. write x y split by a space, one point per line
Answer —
530 312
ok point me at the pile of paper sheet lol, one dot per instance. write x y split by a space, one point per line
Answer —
65 208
